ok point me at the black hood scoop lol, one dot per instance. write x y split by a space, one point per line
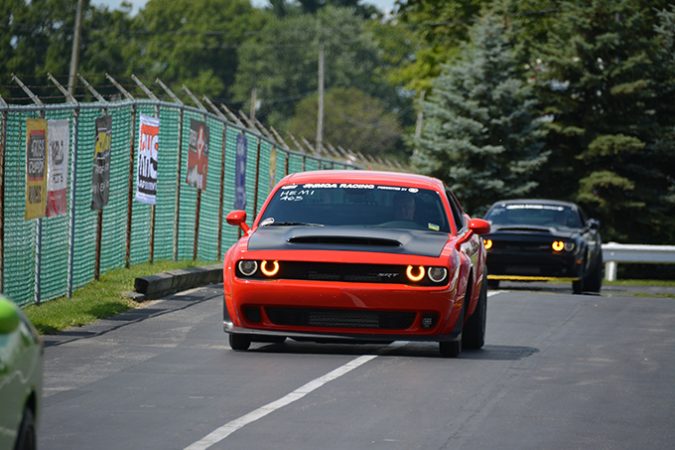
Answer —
360 239
345 240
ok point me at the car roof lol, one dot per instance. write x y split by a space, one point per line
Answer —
364 176
536 201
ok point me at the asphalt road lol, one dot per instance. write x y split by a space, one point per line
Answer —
558 372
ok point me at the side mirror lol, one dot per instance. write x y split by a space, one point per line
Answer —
238 219
593 224
9 317
479 226
476 226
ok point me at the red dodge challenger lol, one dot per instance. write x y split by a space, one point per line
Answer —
358 256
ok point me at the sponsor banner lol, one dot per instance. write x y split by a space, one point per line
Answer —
273 167
240 172
36 168
100 181
148 146
198 154
58 142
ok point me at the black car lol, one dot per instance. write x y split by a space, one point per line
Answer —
542 240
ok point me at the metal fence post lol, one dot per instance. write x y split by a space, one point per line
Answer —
257 180
132 150
38 232
152 96
176 222
198 207
73 183
99 213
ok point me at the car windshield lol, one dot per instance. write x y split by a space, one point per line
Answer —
347 204
538 214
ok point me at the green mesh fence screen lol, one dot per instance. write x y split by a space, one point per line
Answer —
114 230
167 176
19 235
54 251
210 201
176 201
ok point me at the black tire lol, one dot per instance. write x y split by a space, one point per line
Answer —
578 285
450 349
593 280
239 342
26 438
493 284
473 334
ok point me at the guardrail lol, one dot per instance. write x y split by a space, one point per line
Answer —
614 253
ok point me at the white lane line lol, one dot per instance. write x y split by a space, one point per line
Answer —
224 431
221 433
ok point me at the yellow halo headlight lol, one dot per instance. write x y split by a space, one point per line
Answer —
412 276
269 272
558 246
487 243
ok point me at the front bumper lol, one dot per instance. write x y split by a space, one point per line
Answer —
533 266
342 310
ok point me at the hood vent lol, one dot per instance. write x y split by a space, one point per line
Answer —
345 240
524 228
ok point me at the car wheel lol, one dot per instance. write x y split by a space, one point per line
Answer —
578 285
493 284
473 335
593 281
450 349
26 439
239 342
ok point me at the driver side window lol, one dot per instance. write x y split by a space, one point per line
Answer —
457 213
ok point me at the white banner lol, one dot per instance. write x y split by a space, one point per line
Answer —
58 142
148 146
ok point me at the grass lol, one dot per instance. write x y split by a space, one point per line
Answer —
666 283
98 299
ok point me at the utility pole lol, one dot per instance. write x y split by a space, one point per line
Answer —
420 118
319 115
75 54
254 100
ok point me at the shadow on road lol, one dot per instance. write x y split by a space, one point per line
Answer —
411 349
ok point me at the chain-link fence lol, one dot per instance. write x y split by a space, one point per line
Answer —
48 257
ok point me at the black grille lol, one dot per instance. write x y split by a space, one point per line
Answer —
337 318
364 273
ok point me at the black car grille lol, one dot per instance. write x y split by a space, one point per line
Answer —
523 246
337 318
363 273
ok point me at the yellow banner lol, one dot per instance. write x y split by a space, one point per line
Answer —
36 168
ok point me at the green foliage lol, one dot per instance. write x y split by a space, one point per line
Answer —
353 119
481 134
440 27
281 60
606 73
194 42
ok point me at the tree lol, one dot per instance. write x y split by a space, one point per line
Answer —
281 60
194 42
441 26
607 80
482 134
353 120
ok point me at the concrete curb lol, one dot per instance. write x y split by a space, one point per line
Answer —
162 284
